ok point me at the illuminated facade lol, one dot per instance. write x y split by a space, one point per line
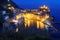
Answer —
35 17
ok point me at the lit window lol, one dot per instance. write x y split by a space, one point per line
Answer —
8 0
3 12
6 17
9 5
9 8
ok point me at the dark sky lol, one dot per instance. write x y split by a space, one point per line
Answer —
54 6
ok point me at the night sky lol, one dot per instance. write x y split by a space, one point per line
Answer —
54 6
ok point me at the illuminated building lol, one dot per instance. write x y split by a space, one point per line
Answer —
6 7
41 19
38 19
